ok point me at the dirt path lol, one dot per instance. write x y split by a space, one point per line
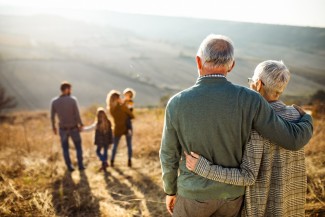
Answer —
121 191
34 180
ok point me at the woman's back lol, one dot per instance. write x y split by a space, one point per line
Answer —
120 113
280 187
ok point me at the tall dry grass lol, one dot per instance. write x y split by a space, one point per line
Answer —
34 182
315 161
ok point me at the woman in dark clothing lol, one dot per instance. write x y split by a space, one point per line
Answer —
120 114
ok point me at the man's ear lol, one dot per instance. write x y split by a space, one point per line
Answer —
232 66
198 62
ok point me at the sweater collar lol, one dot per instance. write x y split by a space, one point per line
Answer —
213 76
211 79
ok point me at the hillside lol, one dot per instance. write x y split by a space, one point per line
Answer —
99 51
34 182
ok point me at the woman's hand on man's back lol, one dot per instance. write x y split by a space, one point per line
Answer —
191 160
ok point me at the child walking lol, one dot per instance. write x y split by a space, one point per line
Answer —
103 136
129 95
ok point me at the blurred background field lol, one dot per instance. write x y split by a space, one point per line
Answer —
33 180
102 50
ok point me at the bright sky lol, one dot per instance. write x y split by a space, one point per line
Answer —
289 12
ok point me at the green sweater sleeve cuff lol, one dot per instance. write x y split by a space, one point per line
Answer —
307 117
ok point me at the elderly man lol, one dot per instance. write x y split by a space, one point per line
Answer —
276 177
70 124
215 118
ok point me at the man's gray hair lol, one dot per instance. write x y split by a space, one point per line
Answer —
274 75
217 50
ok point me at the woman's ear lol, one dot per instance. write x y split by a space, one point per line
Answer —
259 86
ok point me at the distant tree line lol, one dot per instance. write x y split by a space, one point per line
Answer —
318 102
6 102
318 97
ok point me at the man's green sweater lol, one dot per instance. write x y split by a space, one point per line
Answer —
214 118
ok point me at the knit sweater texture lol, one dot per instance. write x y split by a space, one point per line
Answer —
66 107
214 118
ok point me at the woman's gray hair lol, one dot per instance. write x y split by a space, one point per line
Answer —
217 50
274 75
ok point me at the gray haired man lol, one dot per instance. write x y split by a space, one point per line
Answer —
214 118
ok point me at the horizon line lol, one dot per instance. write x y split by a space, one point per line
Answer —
38 11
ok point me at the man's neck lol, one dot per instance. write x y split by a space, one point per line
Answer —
220 71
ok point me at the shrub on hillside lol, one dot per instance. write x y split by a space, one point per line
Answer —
6 102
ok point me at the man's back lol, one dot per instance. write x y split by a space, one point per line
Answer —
67 109
216 118
213 118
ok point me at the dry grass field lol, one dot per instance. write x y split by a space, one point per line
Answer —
34 182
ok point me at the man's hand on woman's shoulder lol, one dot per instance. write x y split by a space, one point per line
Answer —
299 109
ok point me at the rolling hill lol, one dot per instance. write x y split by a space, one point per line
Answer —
100 51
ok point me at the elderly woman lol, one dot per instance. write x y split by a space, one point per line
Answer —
120 114
275 178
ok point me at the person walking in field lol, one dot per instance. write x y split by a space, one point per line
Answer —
65 107
275 177
103 136
214 118
120 114
129 95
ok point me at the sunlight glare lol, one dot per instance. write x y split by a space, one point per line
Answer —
288 12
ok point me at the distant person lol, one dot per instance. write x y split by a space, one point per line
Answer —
66 108
103 135
120 114
214 118
129 95
275 177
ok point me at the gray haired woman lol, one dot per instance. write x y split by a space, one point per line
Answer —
275 178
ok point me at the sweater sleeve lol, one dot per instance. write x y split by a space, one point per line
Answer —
291 136
77 113
89 128
53 112
243 176
170 154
